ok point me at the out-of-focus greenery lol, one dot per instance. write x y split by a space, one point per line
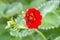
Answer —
12 24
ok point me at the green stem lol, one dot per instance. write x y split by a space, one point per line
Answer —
40 34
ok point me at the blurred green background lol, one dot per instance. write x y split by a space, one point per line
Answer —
50 27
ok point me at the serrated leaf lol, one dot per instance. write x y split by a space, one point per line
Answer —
52 33
50 21
44 6
20 21
21 33
49 6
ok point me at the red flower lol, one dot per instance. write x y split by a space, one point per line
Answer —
33 18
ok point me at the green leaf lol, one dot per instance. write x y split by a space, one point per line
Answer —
13 9
36 3
58 11
21 33
49 6
52 33
50 21
10 10
20 20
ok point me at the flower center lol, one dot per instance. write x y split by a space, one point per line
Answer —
31 18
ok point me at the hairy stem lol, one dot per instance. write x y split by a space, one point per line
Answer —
40 34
